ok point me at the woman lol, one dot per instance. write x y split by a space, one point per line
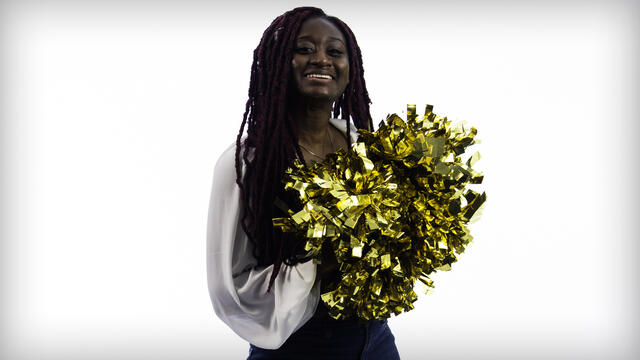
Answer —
306 68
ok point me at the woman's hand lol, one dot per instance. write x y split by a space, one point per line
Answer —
329 266
324 270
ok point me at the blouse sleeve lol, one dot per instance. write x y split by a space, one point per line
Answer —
238 288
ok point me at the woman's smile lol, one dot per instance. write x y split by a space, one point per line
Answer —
319 77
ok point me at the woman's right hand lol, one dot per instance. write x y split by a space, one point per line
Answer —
328 270
324 269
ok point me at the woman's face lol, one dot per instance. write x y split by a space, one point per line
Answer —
320 65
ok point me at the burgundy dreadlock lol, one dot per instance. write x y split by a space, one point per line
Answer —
272 144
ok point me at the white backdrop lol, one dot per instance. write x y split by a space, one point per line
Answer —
114 113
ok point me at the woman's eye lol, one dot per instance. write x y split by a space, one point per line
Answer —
335 52
303 50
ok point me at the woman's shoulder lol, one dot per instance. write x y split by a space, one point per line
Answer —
227 160
341 124
228 155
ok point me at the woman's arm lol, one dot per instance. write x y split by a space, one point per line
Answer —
238 288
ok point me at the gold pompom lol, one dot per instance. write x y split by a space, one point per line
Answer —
394 209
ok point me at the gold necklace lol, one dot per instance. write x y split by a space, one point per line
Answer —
314 154
311 152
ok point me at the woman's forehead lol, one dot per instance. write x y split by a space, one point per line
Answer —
319 28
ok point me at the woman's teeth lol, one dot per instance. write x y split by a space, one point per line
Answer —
319 76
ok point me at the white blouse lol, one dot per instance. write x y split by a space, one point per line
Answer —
238 288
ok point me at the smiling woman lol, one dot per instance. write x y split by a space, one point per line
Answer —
306 93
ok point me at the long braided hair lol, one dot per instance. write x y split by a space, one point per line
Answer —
271 143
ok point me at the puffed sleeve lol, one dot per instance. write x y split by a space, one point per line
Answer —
238 288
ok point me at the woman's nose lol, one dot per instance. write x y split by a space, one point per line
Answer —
320 58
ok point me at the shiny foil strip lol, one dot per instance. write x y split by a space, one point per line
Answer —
393 210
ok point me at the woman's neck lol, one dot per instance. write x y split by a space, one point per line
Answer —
311 122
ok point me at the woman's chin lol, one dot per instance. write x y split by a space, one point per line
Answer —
317 96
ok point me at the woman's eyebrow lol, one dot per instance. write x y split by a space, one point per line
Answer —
336 39
309 37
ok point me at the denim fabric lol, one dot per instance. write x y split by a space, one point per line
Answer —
325 338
